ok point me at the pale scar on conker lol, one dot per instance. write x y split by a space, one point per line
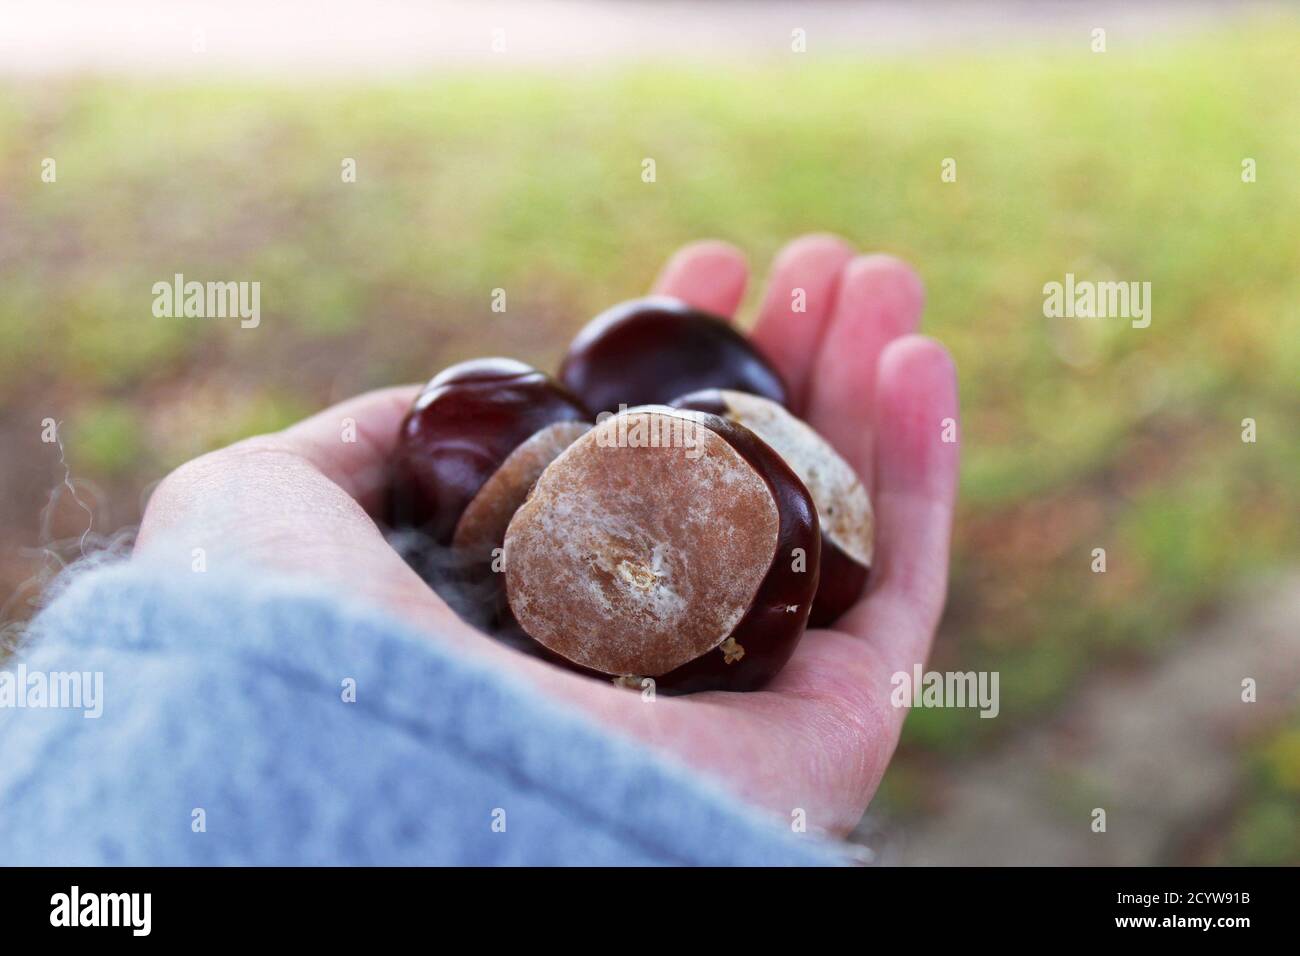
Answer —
843 505
671 559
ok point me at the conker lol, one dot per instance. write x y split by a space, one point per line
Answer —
843 505
649 351
670 544
473 443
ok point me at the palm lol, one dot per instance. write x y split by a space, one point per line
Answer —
819 737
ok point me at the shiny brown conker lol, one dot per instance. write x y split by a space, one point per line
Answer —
843 505
649 351
669 544
475 440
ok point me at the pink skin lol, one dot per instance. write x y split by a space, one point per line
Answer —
819 737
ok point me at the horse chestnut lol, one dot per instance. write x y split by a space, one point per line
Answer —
843 506
473 443
670 544
649 351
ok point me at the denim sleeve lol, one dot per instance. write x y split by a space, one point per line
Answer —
253 720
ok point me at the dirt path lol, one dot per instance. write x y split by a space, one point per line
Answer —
1158 750
395 36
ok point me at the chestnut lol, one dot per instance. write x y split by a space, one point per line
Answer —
670 544
843 505
475 440
649 351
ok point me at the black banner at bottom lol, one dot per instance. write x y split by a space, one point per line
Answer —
337 905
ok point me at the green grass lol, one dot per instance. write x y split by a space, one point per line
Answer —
1265 826
1078 433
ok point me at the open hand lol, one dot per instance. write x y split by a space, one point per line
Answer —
818 738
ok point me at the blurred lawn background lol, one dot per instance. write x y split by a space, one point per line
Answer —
1077 433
